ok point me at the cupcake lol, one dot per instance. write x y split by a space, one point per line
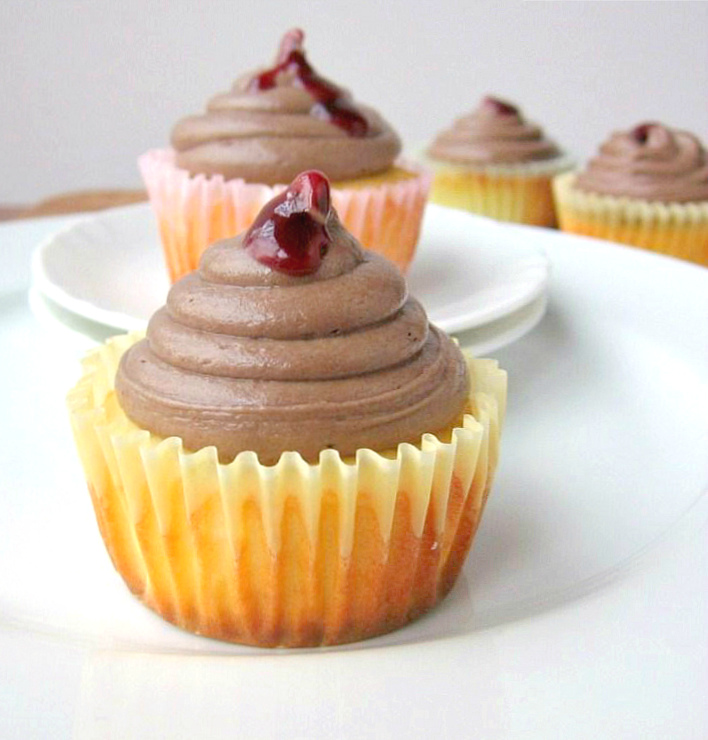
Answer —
647 187
224 165
495 163
292 455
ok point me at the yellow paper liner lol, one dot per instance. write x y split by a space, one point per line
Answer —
517 193
675 229
293 554
194 211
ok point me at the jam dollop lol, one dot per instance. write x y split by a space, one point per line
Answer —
331 103
290 233
500 107
641 132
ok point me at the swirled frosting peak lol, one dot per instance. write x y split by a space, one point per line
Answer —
247 355
650 162
277 122
494 133
329 102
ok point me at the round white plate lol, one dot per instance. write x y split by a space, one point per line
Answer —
468 271
603 458
607 398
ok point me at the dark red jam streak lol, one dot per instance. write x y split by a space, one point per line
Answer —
331 103
641 133
500 106
289 234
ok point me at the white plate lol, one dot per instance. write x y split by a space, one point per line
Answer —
468 271
604 456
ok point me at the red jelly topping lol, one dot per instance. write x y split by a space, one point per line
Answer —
290 233
641 133
331 102
500 107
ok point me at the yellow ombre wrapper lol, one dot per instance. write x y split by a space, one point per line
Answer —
384 212
674 229
294 554
516 193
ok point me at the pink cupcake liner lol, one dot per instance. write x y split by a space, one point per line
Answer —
193 211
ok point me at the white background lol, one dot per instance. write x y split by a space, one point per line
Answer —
87 86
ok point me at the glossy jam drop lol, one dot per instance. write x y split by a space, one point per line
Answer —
641 133
500 107
290 233
331 103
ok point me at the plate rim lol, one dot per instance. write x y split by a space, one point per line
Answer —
122 321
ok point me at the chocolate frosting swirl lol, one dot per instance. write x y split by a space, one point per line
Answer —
494 133
245 357
270 135
651 162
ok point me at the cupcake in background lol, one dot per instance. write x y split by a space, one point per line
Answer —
495 163
293 455
225 164
647 187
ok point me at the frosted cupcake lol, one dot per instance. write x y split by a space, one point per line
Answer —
293 455
496 163
224 165
647 187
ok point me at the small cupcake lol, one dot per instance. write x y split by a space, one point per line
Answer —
226 164
495 163
293 455
647 187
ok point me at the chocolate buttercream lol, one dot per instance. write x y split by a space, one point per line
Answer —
270 135
246 357
651 162
494 133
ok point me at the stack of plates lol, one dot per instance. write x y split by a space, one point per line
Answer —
474 276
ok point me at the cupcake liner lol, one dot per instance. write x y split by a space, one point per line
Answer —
193 211
675 229
517 193
293 554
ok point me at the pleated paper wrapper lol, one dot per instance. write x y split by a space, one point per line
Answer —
194 211
516 193
294 554
675 229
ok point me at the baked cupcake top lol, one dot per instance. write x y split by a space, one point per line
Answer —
292 337
277 122
494 133
650 162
